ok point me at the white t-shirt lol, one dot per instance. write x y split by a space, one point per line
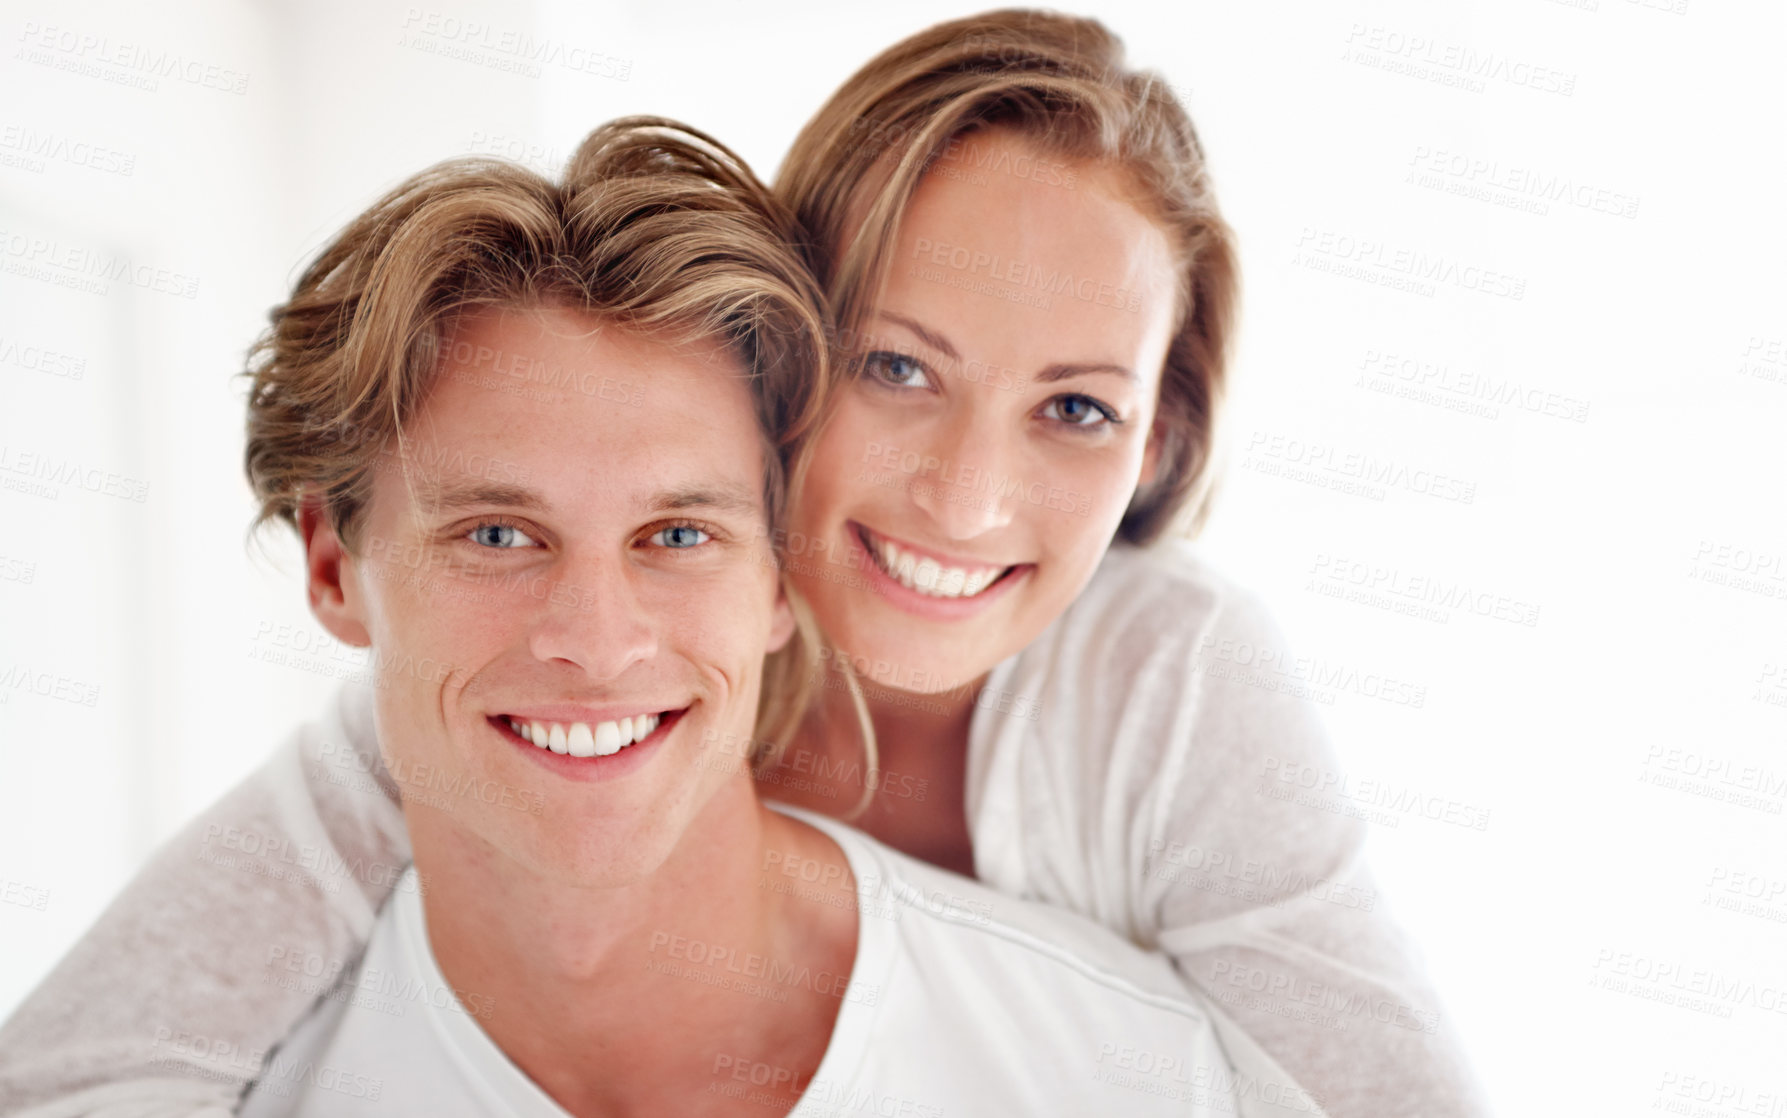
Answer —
961 1001
1141 763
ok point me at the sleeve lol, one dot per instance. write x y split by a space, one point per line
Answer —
1251 850
226 939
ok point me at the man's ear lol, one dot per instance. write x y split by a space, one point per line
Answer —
781 624
329 571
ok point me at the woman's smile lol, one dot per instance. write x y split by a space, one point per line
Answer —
971 510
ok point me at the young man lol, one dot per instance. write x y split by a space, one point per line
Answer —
569 596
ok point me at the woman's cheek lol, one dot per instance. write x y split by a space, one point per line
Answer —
1086 501
841 480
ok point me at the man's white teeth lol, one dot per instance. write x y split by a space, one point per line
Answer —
929 577
578 740
608 738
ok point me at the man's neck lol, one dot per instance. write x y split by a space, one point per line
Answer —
641 999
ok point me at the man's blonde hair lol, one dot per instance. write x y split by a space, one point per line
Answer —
654 226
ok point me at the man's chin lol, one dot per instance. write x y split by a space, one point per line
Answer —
614 860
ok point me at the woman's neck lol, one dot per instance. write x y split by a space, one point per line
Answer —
918 804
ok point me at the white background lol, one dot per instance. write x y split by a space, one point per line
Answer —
1646 532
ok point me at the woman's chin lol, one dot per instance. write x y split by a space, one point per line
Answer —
889 655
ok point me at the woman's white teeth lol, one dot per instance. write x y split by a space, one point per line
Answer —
578 740
927 576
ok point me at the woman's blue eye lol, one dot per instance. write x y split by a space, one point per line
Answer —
898 369
1079 411
680 536
503 536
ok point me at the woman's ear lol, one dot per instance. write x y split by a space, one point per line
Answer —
1157 437
330 576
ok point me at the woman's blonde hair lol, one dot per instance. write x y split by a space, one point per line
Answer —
1061 83
654 226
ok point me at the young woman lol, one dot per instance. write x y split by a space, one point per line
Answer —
1025 259
1031 678
1029 269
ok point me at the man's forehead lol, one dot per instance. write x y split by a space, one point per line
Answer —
436 492
625 423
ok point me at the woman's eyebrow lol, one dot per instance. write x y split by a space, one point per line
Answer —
1063 371
936 341
1060 370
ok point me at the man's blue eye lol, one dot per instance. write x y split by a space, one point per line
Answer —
681 536
504 536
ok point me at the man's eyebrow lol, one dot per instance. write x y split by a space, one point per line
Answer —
739 499
720 498
434 495
1060 370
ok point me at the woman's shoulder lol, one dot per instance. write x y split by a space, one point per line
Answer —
1141 717
1163 662
1145 658
1165 601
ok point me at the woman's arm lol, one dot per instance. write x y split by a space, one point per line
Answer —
222 943
1133 765
1254 876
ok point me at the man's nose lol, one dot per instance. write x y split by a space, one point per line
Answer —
593 618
